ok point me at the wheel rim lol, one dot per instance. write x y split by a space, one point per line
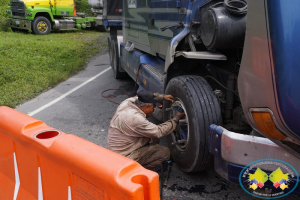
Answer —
180 136
42 26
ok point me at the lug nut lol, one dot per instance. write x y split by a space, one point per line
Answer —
168 109
179 142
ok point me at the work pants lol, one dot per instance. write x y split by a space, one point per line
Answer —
150 155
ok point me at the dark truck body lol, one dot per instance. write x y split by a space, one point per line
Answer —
233 71
109 13
112 13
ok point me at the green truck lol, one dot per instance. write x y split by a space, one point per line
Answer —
43 16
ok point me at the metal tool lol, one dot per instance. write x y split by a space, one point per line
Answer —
169 163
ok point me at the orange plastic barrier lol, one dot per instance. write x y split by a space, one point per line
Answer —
39 162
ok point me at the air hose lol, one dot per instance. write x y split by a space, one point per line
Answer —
108 97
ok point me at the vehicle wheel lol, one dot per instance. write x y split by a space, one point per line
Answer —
189 142
100 28
115 60
109 51
41 26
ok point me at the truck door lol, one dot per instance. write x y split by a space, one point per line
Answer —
162 13
136 14
63 7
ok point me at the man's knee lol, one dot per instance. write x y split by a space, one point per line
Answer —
165 153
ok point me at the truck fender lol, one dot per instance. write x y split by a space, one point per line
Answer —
172 48
43 12
120 40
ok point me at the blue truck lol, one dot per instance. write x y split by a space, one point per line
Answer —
232 66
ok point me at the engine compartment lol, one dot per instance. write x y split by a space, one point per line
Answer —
218 29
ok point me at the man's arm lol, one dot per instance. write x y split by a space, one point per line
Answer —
161 97
143 127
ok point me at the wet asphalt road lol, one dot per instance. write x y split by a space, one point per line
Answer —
86 114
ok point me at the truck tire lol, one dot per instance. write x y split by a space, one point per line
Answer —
101 28
41 26
189 142
109 50
115 59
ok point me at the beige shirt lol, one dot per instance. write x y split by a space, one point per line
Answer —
129 129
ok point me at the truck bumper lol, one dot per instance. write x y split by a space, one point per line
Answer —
19 24
234 151
112 23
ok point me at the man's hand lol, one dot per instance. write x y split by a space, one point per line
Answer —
180 114
169 97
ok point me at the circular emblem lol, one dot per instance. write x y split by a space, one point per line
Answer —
269 178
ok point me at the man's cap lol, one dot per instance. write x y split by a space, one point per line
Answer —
146 96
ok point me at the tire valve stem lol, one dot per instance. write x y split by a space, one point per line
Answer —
179 142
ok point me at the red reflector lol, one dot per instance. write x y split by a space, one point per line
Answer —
116 10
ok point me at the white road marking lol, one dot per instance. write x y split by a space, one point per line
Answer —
40 189
66 94
17 178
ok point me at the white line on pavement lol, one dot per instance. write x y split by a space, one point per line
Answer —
66 94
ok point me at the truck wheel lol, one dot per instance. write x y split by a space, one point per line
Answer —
109 50
100 28
41 26
189 142
115 60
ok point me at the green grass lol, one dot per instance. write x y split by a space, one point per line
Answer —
3 15
30 64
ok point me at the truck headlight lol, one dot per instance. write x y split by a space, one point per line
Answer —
29 14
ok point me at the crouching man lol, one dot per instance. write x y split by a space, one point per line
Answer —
130 132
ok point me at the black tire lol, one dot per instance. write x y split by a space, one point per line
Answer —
115 59
202 109
109 51
41 26
100 28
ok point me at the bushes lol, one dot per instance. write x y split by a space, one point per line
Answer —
3 15
83 6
